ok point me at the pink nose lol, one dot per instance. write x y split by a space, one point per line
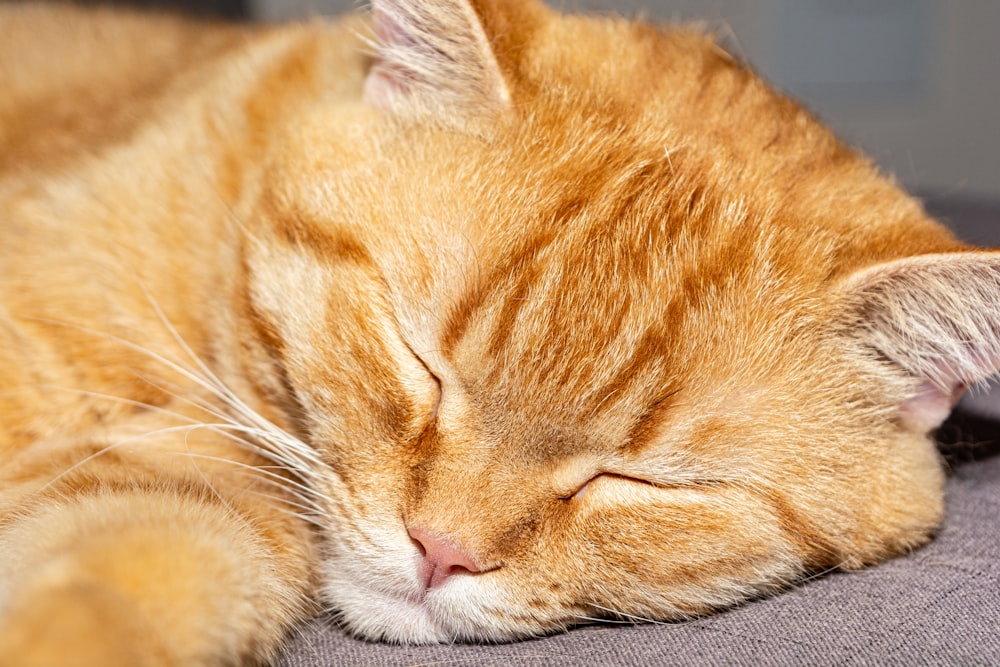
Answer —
440 557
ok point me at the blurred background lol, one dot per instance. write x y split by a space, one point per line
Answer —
916 83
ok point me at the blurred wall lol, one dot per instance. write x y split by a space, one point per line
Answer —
227 9
914 82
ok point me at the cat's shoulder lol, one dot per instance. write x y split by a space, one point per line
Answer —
80 78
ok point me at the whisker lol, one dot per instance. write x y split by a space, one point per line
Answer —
135 347
282 504
204 478
116 445
268 476
120 399
592 619
288 443
187 398
298 465
631 617
821 573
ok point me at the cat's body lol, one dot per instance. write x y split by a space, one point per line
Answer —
537 319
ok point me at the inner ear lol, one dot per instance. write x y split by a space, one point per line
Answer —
434 58
935 316
927 409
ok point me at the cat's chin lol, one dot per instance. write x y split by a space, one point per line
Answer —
392 610
445 615
382 617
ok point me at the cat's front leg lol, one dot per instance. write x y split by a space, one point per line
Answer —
147 576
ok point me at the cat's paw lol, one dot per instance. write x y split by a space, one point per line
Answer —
77 625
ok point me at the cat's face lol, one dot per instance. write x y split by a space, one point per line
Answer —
587 338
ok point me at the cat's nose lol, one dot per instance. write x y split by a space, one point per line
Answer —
441 557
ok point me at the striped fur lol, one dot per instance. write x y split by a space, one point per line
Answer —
581 298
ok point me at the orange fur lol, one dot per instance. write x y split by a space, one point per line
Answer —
579 304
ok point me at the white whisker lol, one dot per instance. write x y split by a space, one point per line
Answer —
271 477
286 449
594 619
121 443
631 617
125 401
169 363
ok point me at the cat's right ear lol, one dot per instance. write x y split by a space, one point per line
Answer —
434 58
936 317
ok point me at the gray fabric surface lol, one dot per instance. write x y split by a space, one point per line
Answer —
938 606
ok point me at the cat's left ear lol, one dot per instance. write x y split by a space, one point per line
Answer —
436 58
935 316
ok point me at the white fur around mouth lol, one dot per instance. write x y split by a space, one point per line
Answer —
385 616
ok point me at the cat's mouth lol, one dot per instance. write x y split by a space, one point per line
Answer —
399 615
390 618
455 611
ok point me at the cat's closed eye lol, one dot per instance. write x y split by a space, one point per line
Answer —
609 479
434 387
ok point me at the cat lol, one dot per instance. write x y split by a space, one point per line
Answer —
463 320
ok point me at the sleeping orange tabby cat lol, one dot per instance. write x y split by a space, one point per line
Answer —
501 321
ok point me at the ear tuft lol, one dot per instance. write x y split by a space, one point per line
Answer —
433 57
938 318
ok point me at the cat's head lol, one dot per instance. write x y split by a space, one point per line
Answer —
584 320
